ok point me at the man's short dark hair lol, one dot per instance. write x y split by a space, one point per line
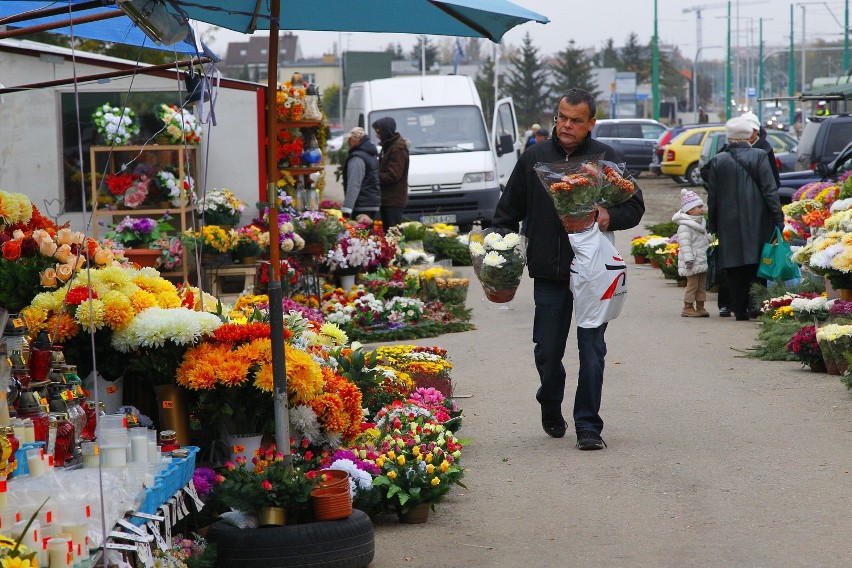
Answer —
575 96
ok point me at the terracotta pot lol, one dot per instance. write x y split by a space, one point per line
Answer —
579 223
331 503
640 259
817 367
271 516
654 264
499 296
248 260
416 515
144 257
335 478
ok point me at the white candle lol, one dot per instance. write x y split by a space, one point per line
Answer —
57 553
153 451
78 532
114 456
35 463
139 449
29 431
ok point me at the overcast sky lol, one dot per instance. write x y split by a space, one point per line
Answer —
590 24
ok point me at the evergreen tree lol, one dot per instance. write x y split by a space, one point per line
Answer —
331 102
635 57
672 81
526 83
431 53
472 49
484 82
608 55
571 68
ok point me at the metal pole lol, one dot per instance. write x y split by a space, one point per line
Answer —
276 310
342 81
804 50
791 79
655 69
846 39
423 54
496 74
760 73
695 63
61 24
728 92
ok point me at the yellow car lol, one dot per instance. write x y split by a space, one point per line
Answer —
680 156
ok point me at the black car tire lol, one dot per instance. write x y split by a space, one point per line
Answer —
693 175
680 180
346 543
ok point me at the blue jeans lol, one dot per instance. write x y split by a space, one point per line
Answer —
554 304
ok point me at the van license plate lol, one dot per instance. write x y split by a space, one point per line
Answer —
433 219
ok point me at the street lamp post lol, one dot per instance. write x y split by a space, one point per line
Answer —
695 75
655 69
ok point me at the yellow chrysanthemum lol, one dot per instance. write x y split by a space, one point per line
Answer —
62 328
35 318
338 335
90 318
47 301
232 373
304 376
119 311
142 300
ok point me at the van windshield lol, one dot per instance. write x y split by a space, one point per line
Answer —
438 130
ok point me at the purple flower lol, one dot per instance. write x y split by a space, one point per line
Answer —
288 305
144 225
840 308
204 480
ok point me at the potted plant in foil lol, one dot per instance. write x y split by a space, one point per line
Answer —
221 207
117 125
179 125
498 262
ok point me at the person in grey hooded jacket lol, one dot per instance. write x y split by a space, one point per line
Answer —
361 192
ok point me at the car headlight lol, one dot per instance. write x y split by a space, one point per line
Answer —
478 177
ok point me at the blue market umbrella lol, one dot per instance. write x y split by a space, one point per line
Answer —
489 19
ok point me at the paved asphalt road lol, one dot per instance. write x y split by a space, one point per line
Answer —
714 460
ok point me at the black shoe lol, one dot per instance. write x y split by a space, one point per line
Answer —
554 424
741 317
588 440
724 312
754 314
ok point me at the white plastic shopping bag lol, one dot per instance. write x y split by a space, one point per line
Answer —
598 278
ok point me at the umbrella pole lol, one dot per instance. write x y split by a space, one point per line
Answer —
276 311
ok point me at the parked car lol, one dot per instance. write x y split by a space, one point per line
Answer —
823 137
781 141
634 137
710 148
665 138
680 156
791 181
786 161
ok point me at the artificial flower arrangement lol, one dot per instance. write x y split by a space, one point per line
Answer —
388 282
795 214
180 125
418 457
117 125
36 253
119 294
438 283
250 241
318 229
498 262
130 189
291 100
380 384
192 552
360 248
139 232
210 239
269 483
172 255
291 146
426 366
221 207
578 185
357 308
806 347
168 183
288 237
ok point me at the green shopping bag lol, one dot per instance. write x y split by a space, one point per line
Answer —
775 261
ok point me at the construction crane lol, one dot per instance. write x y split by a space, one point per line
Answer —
698 47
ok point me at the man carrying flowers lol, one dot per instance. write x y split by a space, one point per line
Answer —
549 257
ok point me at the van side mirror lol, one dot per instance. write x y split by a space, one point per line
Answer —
821 169
505 144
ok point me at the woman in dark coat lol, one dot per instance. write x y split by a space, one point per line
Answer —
743 211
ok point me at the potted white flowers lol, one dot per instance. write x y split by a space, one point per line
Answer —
117 125
498 262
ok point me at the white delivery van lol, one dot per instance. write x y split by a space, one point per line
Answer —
456 170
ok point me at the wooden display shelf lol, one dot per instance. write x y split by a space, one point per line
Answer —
298 123
173 211
302 171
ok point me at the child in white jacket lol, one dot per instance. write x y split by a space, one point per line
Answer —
692 252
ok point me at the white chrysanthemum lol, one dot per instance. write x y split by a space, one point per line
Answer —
305 424
476 248
494 259
512 239
356 476
492 240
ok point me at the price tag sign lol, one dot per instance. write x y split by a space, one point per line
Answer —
239 449
168 404
112 389
18 322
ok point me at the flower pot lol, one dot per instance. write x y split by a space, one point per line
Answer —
579 223
347 281
499 296
416 515
246 446
845 294
172 411
654 264
314 248
144 257
640 259
331 503
271 516
247 260
332 478
817 367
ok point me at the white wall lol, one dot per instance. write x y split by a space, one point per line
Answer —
30 129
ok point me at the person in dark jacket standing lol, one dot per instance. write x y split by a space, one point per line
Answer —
549 256
743 210
361 176
758 140
393 171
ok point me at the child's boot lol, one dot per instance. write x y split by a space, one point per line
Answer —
699 307
689 311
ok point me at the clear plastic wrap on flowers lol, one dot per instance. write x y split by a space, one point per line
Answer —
578 185
498 262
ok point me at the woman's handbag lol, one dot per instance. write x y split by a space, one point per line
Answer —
715 275
775 262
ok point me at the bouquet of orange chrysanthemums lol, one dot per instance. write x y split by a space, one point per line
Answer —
578 185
